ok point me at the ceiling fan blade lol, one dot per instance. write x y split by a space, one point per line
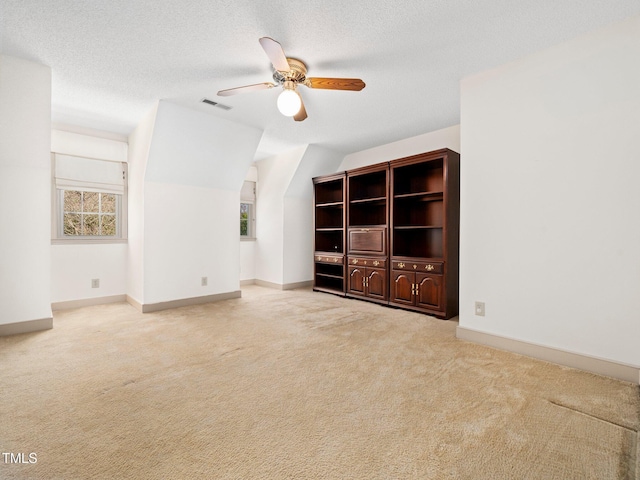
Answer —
302 113
275 53
354 84
245 89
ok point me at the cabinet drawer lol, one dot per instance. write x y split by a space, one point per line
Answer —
368 262
429 267
368 240
339 259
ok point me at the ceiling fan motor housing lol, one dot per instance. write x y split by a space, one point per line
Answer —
297 74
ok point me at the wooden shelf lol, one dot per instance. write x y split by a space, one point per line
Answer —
369 200
329 229
424 196
330 276
330 204
416 227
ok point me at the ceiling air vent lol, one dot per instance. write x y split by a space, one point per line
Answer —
215 104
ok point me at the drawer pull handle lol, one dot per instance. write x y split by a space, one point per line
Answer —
415 266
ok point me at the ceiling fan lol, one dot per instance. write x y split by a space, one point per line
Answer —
289 73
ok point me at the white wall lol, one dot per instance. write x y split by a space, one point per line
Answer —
196 166
247 260
445 138
73 266
275 174
298 213
284 246
550 197
25 180
139 144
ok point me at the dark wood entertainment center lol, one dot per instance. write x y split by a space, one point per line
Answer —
389 233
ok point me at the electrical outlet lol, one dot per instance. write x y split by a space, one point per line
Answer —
204 281
95 283
480 309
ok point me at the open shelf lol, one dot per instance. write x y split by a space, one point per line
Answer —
418 242
330 270
329 192
367 214
330 216
330 240
419 178
329 284
409 212
369 186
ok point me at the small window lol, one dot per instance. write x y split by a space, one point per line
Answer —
89 214
89 201
247 210
246 214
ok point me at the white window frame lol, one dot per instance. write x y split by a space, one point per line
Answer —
248 197
57 203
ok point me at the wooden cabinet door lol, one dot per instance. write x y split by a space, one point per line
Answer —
430 291
377 283
401 287
356 280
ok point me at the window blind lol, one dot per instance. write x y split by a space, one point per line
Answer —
89 175
248 192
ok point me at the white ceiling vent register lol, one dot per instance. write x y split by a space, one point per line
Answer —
215 104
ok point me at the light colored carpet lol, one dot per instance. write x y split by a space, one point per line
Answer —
299 385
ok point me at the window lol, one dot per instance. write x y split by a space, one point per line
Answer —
245 219
89 200
89 213
247 210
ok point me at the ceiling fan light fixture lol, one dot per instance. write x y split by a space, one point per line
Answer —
289 102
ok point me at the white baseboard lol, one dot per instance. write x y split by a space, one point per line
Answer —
27 326
183 302
247 282
87 302
285 286
608 368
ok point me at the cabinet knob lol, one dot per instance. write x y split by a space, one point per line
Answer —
354 261
401 265
376 263
415 266
429 267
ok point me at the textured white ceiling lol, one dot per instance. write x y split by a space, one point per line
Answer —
111 60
